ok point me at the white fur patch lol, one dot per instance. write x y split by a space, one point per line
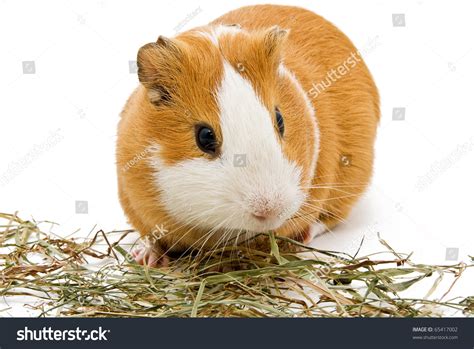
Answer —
219 30
208 35
282 70
250 137
225 29
251 176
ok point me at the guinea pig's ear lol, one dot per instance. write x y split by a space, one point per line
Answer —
273 40
157 64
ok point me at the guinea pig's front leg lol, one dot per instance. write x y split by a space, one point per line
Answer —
150 255
312 231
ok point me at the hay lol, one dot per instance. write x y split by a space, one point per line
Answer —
95 278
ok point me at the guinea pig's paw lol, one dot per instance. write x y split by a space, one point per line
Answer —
312 231
150 256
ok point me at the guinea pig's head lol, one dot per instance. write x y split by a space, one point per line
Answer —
230 133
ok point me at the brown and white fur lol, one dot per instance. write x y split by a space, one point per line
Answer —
230 75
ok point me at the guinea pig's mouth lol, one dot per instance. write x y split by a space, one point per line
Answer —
261 224
269 218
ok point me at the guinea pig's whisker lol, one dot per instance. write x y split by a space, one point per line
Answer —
190 220
332 175
318 209
304 214
228 233
194 246
316 220
205 237
326 178
334 186
341 194
217 244
244 237
213 231
321 209
211 252
227 242
338 197
297 226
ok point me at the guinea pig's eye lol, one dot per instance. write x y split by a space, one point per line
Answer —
279 121
206 139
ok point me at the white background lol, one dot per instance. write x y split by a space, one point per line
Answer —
58 125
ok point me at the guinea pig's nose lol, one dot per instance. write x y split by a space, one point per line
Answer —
263 208
260 216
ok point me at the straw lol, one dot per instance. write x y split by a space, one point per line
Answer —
96 277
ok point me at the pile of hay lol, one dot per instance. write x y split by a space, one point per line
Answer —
95 278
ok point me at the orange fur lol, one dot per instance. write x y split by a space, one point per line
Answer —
189 67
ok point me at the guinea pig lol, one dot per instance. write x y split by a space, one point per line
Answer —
262 120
